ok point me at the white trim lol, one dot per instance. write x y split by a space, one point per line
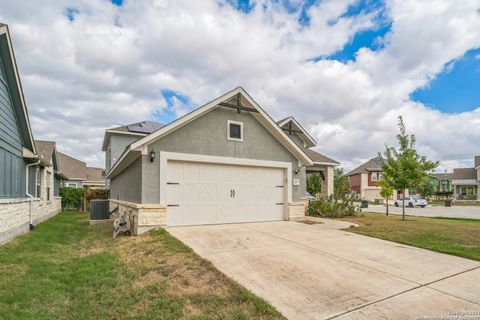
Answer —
4 30
331 164
166 156
310 139
108 132
229 122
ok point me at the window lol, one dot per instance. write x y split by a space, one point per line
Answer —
39 183
374 176
234 131
49 177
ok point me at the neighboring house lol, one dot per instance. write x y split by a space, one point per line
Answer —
27 169
95 178
322 164
116 139
76 174
466 181
224 162
364 179
442 182
74 170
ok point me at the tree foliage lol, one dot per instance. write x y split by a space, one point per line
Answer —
72 198
314 183
426 188
386 190
404 167
340 184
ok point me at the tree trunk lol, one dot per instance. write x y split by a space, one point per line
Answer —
387 206
403 204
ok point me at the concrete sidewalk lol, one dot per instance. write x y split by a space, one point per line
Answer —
469 212
319 272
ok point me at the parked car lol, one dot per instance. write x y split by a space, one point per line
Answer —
411 202
309 196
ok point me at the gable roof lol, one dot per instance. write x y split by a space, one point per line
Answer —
464 174
304 135
16 91
95 174
261 116
45 151
477 162
374 164
72 168
140 129
319 158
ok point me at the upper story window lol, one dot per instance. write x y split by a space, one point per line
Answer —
234 130
374 176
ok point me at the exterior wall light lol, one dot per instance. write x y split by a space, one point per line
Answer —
152 156
296 171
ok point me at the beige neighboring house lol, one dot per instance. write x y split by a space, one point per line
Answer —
466 181
95 178
74 170
78 175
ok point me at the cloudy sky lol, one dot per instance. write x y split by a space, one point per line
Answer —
346 69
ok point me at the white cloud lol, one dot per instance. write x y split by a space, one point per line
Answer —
110 65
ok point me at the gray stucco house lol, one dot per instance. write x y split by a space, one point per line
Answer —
466 181
27 168
224 162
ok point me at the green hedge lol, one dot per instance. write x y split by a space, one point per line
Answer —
72 198
333 208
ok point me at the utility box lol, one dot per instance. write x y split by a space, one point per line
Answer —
99 209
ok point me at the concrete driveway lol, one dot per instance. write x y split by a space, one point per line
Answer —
319 272
470 212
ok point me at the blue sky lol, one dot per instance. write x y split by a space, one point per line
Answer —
457 89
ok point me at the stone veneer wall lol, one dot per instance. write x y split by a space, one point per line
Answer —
15 215
141 217
296 211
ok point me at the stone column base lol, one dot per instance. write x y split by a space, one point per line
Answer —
141 217
296 211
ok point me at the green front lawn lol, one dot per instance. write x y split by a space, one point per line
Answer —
435 202
67 269
460 237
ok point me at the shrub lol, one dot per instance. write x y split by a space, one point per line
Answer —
72 198
332 207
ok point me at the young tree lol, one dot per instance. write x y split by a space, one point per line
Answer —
314 184
427 188
386 191
404 167
340 184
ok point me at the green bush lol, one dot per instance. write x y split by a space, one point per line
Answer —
72 198
332 207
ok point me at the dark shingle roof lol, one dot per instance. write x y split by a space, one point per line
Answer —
45 150
477 161
72 168
464 174
146 127
318 157
443 175
374 164
95 174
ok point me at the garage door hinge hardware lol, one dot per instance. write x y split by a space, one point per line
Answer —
173 182
279 186
173 205
279 204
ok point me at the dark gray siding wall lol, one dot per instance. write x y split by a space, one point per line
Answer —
208 136
12 167
127 186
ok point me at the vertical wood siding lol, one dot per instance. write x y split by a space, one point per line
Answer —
12 166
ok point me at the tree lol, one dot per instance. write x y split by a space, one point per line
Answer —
340 184
403 166
427 188
314 184
386 191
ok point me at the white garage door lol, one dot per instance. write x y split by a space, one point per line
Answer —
204 193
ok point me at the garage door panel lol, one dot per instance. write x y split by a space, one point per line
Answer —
204 193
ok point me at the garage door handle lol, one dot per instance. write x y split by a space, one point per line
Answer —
234 193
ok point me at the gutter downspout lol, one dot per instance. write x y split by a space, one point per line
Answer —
28 194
